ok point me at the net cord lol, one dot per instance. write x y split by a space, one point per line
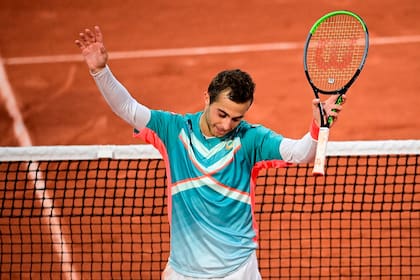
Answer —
87 152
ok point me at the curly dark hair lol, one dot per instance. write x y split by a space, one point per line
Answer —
237 81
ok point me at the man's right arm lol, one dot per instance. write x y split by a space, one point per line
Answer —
91 44
120 100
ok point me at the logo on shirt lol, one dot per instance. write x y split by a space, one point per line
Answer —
229 145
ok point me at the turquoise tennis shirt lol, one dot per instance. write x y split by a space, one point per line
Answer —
210 190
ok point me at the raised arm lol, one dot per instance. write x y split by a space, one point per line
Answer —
91 44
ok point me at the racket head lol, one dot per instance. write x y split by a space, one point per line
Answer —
335 52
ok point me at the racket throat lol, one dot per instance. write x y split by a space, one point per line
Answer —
323 116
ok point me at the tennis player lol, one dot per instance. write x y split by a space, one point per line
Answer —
212 159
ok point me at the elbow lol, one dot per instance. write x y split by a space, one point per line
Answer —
298 151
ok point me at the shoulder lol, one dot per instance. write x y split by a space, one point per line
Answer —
257 134
247 129
161 119
162 114
259 141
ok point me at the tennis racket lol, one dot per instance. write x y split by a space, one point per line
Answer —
334 54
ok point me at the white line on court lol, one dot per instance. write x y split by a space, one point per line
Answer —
49 216
6 92
279 46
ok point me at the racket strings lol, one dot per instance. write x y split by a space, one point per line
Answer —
335 52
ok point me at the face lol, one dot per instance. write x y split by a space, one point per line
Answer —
222 116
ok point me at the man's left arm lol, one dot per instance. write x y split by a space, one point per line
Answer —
300 150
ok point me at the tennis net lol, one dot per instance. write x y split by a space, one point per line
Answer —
99 212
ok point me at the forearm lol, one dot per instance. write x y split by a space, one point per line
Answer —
120 100
301 150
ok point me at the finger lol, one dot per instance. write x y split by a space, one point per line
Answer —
98 34
79 44
90 36
83 38
343 97
333 113
318 106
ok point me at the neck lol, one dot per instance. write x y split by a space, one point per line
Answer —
204 125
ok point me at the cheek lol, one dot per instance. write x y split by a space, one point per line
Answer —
209 119
212 117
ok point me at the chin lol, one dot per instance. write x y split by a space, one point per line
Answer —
219 134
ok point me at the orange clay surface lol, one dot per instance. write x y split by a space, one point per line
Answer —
60 105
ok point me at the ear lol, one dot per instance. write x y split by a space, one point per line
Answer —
206 98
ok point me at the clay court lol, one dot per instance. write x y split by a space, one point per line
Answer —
60 105
165 53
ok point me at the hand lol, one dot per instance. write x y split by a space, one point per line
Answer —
330 108
93 49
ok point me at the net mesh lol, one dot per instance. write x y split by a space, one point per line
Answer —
99 213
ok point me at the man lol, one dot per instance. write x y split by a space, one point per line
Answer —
211 158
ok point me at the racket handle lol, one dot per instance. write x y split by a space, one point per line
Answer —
338 101
321 151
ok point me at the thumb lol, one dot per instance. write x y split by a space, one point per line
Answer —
315 111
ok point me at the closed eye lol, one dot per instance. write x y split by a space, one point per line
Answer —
223 114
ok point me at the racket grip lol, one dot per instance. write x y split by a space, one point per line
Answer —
321 151
338 101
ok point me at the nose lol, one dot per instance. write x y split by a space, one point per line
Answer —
227 124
